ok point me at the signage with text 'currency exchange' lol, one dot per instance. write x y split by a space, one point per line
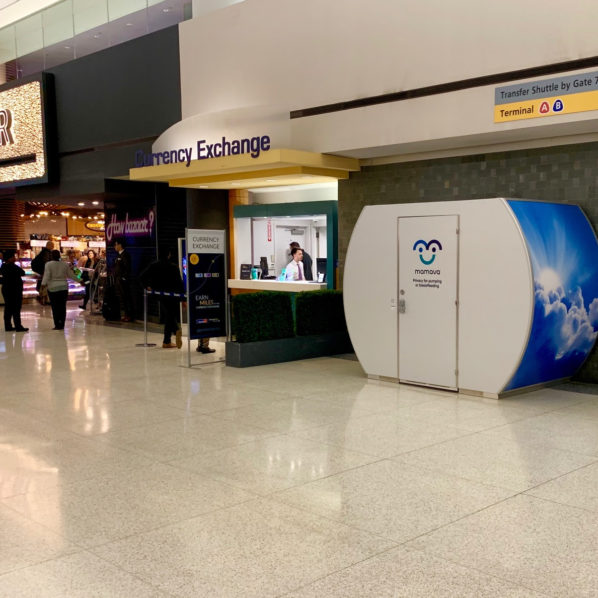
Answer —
206 283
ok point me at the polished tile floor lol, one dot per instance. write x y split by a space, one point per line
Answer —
123 473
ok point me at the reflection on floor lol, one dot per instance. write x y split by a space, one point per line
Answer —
123 473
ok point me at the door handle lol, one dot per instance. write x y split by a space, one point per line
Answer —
402 306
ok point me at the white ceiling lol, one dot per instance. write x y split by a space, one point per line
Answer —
15 10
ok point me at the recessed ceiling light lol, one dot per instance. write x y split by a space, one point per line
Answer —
128 24
203 187
166 9
97 35
67 47
95 203
81 203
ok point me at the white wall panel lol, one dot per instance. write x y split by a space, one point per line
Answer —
295 54
302 51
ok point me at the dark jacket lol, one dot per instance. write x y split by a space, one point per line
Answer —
39 262
122 267
307 262
12 283
89 264
163 276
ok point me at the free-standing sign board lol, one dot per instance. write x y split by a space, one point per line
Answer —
206 283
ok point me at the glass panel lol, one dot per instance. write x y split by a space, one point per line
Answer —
121 8
89 14
203 7
58 23
29 35
8 44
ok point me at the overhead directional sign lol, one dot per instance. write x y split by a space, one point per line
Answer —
550 97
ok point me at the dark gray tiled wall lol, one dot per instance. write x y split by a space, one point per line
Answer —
566 173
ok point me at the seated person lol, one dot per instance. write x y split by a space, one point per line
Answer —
307 261
294 270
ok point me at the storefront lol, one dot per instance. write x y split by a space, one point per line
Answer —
81 135
260 232
262 237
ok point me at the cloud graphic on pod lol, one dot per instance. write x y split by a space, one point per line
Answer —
567 327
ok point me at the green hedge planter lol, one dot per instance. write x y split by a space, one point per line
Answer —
265 332
262 316
319 312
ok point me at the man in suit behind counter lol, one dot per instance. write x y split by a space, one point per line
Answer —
294 270
307 261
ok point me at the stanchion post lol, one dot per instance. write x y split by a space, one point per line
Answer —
145 343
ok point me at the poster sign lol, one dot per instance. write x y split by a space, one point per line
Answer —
206 283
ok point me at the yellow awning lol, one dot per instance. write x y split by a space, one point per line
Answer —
271 168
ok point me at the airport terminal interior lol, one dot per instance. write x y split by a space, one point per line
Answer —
410 409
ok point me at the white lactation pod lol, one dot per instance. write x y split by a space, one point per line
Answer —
451 294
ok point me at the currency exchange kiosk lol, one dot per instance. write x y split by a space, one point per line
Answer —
485 296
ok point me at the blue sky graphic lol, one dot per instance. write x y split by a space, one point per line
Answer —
564 256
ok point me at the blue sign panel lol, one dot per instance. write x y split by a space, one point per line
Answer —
564 256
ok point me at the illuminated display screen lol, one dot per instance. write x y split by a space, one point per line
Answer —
23 157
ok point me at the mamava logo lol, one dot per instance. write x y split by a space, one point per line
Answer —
432 246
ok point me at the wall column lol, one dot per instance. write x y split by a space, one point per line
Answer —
236 197
11 223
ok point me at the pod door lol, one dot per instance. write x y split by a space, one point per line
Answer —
428 304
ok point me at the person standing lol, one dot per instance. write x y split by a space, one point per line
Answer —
122 279
294 269
55 280
38 265
89 264
307 261
12 289
164 276
203 346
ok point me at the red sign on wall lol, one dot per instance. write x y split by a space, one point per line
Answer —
269 231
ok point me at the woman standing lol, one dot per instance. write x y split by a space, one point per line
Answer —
89 265
55 278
